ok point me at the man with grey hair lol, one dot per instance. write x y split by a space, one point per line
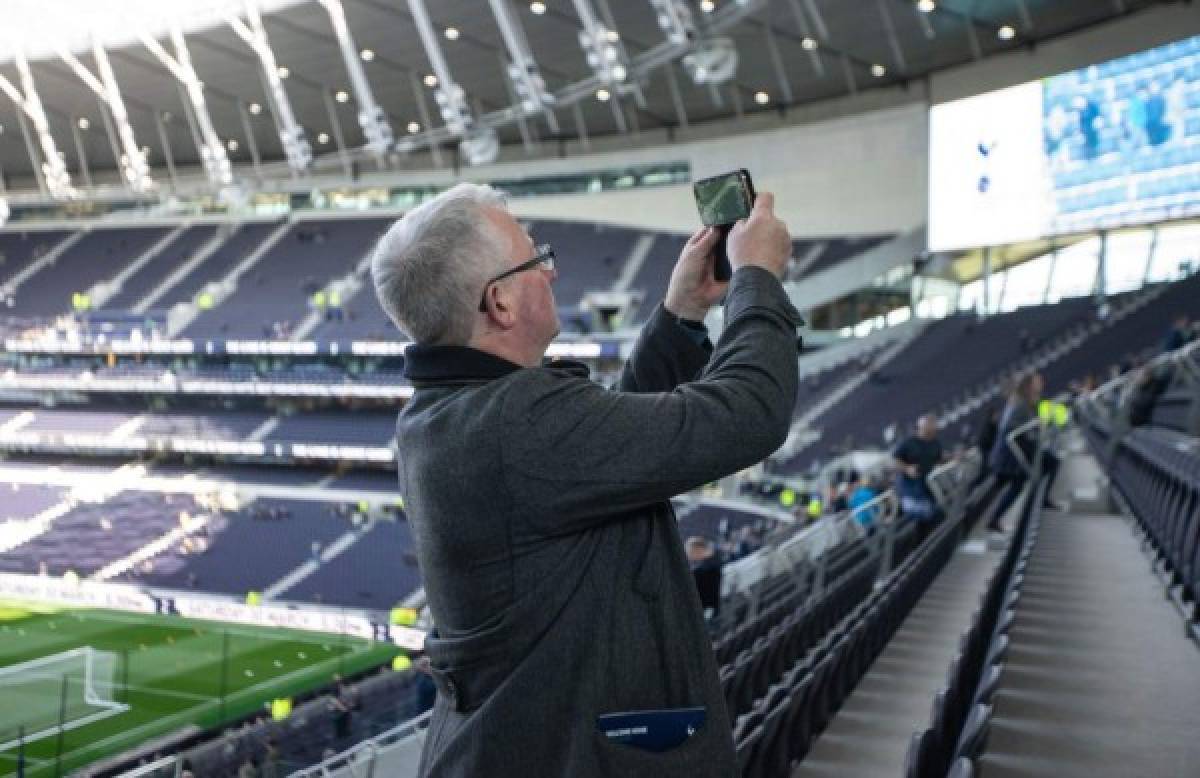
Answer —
539 500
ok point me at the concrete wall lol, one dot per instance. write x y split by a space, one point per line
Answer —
858 175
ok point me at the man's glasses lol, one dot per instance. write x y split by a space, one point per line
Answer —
544 259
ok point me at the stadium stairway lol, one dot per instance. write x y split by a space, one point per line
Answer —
218 239
1101 679
40 263
183 316
347 287
102 292
298 574
1074 663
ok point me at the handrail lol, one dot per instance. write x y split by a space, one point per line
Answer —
1011 441
372 746
153 768
1182 357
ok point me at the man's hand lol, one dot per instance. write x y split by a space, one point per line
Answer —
762 239
693 290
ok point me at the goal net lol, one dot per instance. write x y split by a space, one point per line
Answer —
67 689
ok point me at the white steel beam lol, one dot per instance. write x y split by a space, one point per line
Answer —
371 118
523 71
603 50
296 147
51 167
132 161
212 152
479 144
450 97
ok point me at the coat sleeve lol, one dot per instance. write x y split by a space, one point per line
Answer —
663 357
576 455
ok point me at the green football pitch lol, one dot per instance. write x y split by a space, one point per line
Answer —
169 673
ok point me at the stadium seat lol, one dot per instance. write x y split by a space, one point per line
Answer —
924 756
975 732
962 768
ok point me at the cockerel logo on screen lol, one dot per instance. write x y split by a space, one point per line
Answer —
985 149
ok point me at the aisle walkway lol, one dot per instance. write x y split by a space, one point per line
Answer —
1101 681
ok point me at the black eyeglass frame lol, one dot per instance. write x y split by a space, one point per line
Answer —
544 253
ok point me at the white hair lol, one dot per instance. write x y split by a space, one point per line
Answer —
430 267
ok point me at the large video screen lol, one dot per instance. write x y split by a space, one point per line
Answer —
1109 145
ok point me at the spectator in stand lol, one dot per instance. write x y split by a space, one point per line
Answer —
1020 409
343 703
270 763
862 492
1180 335
1144 394
987 441
706 572
837 502
552 564
915 459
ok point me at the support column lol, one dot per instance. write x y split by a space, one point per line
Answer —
987 281
1100 289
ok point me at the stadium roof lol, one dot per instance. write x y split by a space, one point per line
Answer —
790 52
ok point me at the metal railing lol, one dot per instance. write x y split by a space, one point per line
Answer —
362 760
1110 402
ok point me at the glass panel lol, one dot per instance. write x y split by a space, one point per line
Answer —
1027 284
1126 265
1176 247
1075 270
969 298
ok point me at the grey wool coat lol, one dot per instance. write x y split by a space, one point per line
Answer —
553 567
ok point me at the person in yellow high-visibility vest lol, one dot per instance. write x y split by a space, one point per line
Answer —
787 498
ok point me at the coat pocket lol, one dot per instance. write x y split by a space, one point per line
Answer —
702 754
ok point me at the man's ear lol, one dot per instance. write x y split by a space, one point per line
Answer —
501 309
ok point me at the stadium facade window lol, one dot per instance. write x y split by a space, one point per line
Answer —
1128 254
1075 271
368 198
1026 283
997 286
1176 249
970 297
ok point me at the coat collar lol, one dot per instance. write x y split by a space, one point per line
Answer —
461 364
453 364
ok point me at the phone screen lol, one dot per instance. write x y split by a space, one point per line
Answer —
722 199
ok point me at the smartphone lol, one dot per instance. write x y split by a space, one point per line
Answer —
724 200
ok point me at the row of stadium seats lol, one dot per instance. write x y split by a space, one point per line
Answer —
358 426
1142 330
1156 473
89 536
747 678
781 726
749 612
277 293
304 737
960 357
950 359
246 549
960 718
